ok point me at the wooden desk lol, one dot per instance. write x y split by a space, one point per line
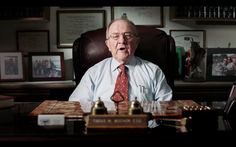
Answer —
38 91
23 129
202 91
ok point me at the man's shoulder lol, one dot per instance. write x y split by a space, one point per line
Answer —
146 63
104 61
101 63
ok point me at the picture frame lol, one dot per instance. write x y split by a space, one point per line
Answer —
11 66
32 41
46 66
221 64
190 46
182 38
147 16
72 23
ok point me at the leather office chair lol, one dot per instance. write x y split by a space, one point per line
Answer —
155 46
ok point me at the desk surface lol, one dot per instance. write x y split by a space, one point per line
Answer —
17 126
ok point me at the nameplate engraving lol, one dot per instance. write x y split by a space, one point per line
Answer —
117 121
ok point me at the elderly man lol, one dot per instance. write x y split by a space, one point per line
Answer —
137 78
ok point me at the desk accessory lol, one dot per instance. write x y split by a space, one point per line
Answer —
134 118
99 108
51 120
117 101
135 107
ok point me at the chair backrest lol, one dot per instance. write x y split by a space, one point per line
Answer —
155 46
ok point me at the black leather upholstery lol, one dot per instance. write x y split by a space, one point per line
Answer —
155 46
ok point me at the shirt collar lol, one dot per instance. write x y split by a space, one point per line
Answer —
130 64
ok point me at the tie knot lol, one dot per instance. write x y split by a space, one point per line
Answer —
122 67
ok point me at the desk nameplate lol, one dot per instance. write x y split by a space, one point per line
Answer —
117 121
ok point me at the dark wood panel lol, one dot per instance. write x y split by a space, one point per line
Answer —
38 91
202 91
61 90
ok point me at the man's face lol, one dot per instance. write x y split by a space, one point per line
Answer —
122 40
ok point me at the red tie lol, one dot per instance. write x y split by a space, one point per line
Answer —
121 87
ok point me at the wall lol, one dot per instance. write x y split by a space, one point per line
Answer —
216 35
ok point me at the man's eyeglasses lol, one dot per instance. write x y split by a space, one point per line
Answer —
126 35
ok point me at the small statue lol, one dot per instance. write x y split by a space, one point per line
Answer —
193 63
197 55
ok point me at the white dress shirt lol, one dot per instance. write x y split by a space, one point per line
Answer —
146 82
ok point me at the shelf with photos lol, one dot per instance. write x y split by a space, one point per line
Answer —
196 75
213 83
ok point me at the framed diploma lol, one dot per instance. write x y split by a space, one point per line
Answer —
183 38
72 23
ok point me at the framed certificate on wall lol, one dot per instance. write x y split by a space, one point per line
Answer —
72 23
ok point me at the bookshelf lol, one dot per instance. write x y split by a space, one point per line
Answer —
24 13
218 15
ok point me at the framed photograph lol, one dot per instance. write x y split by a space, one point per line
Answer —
11 66
190 49
183 38
46 66
32 41
148 16
72 23
221 64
